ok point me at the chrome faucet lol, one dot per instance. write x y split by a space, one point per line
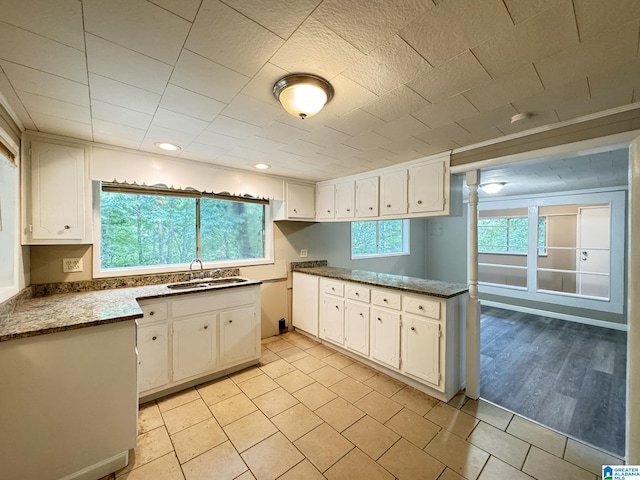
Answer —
191 275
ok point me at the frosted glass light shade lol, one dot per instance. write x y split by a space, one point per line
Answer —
493 187
302 95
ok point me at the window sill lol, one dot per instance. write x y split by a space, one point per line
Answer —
379 255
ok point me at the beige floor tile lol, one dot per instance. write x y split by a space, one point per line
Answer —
249 430
449 474
219 463
272 457
309 364
378 406
408 462
327 376
320 351
359 372
232 409
267 357
246 476
543 465
452 419
296 421
385 385
589 458
185 416
246 374
315 395
500 444
218 390
339 414
292 354
259 385
163 468
338 360
149 446
415 400
303 471
458 401
418 430
294 381
275 402
323 446
304 343
371 436
496 469
279 345
149 417
349 389
176 399
491 414
537 435
356 464
460 456
193 441
268 340
278 368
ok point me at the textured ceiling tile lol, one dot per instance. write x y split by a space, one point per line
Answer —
448 111
366 24
113 61
348 95
396 104
442 134
137 25
179 122
232 127
550 99
117 141
340 151
625 76
25 48
116 129
452 77
605 51
309 124
261 85
313 48
613 99
595 16
407 145
302 148
186 9
403 127
121 115
381 157
123 95
262 144
486 120
203 76
55 108
157 133
281 132
229 38
455 26
252 111
60 20
199 151
62 126
42 83
522 10
356 122
478 136
178 99
14 102
279 16
541 36
543 118
367 141
388 67
509 88
246 154
217 140
325 136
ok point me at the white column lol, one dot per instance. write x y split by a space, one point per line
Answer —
473 305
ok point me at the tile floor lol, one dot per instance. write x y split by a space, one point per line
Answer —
308 412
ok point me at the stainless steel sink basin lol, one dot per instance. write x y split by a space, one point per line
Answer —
186 285
215 282
227 281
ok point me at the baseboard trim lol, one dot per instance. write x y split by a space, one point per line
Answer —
101 469
561 316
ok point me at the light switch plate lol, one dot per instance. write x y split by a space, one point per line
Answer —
72 265
303 253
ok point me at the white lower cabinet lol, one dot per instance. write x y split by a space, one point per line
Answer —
356 326
332 315
194 346
385 337
421 349
153 349
237 336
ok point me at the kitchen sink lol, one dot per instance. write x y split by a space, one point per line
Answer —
216 282
227 281
186 285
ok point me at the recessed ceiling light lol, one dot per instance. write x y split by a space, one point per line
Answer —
171 147
262 166
492 187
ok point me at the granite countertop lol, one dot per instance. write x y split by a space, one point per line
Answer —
434 288
68 311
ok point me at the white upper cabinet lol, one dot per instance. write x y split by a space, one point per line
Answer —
393 193
367 197
325 205
428 188
300 201
345 200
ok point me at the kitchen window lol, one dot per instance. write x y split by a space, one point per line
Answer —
159 229
509 235
379 238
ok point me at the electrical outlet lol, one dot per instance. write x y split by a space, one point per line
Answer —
303 253
71 265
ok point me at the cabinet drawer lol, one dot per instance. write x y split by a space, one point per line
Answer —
332 287
153 312
386 298
357 292
421 306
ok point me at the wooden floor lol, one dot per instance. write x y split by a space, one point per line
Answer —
568 376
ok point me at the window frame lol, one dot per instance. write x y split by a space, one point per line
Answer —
542 252
12 216
406 236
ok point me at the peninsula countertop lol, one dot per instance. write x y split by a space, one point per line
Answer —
421 286
68 311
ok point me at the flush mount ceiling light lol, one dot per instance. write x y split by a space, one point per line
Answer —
520 117
171 147
302 94
493 187
262 166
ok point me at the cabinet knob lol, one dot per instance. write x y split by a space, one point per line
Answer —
385 300
328 211
388 205
413 329
379 319
362 314
152 313
420 307
370 208
154 338
295 210
230 321
337 307
206 326
67 227
348 209
419 202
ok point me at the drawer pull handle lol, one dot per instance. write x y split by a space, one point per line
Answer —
207 326
385 300
357 294
419 202
420 307
370 208
348 209
413 329
154 338
67 227
388 205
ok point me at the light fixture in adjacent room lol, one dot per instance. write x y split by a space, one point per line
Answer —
492 187
302 94
520 117
170 147
262 166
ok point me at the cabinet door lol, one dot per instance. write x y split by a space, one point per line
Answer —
325 204
57 192
356 325
345 200
332 317
300 201
427 187
393 193
421 349
367 190
305 302
238 336
153 360
194 346
385 337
